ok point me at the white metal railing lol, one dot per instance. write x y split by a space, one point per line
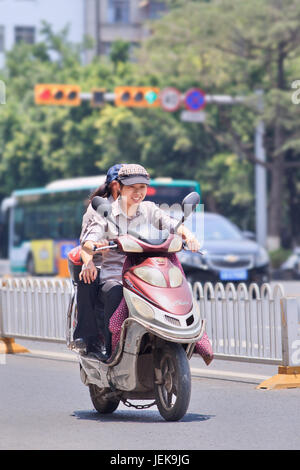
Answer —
34 308
243 323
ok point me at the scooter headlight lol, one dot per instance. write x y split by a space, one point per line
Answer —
176 244
175 276
151 275
130 245
143 308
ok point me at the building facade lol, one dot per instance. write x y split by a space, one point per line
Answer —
21 20
109 20
102 20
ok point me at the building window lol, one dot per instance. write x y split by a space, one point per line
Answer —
118 11
156 9
105 48
25 34
2 43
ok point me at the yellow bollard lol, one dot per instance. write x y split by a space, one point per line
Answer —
287 377
8 346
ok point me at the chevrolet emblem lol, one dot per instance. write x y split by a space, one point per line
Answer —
231 258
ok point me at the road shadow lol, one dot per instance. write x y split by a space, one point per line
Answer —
135 416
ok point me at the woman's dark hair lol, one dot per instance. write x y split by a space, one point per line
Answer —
103 191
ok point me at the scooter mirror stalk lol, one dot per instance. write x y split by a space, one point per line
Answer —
188 205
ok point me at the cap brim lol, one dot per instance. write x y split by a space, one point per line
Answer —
128 180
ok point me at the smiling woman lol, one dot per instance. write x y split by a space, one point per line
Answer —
127 211
132 195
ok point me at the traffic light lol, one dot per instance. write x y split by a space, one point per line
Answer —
55 94
97 99
137 96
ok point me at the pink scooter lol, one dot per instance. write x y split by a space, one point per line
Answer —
159 322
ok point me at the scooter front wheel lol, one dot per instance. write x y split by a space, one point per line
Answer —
101 400
173 382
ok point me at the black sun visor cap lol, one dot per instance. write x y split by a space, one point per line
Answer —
133 174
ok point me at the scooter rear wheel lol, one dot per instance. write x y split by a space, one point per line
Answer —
173 388
100 399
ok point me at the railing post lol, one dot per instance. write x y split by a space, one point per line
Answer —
1 313
7 345
289 372
290 330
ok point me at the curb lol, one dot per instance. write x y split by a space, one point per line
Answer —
39 353
195 372
222 374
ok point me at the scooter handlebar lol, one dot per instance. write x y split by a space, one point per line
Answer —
110 245
185 247
114 245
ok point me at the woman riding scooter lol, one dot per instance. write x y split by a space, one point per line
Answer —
127 211
89 326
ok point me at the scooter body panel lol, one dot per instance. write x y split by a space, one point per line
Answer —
125 374
175 300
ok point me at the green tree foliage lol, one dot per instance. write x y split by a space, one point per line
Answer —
228 47
233 47
119 51
39 144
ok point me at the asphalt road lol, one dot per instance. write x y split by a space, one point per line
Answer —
44 405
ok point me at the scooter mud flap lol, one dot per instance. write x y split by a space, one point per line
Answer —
124 375
93 372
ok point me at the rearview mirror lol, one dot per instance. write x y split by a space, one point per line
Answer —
102 206
190 203
249 235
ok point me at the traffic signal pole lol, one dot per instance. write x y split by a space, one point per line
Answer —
260 178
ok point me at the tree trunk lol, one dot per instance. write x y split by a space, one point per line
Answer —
275 206
293 209
276 191
278 169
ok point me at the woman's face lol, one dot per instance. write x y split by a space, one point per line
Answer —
134 193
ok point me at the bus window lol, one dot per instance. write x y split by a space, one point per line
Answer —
168 194
4 217
18 226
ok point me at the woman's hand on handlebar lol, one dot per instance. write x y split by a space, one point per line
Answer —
192 243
